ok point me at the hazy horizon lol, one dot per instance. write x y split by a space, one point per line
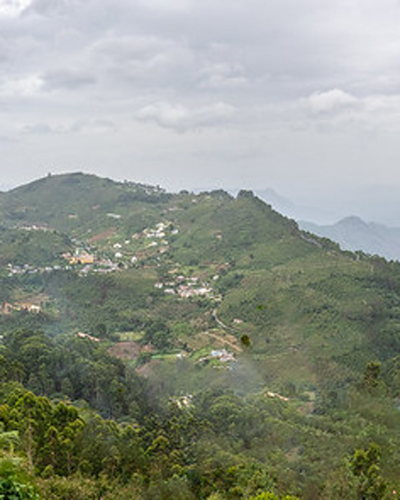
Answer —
302 97
371 203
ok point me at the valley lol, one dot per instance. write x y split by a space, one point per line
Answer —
232 353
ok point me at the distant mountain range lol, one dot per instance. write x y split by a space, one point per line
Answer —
374 203
352 233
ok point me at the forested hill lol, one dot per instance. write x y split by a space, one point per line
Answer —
232 354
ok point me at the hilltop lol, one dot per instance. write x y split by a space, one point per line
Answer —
57 200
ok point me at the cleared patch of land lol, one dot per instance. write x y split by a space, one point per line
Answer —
128 350
103 235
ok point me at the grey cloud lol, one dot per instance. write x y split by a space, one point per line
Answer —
181 118
170 7
93 126
253 74
154 60
39 128
6 139
50 7
67 79
16 47
223 75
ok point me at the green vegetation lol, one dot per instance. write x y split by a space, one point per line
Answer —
190 346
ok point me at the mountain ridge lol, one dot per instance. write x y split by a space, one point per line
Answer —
354 234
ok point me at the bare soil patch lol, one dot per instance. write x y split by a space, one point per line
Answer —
103 235
125 350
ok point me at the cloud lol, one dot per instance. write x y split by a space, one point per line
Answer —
93 126
336 102
272 76
6 139
170 7
336 112
67 79
222 75
180 118
49 7
331 100
26 86
155 60
13 8
39 128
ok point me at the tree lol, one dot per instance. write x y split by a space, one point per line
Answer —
371 375
365 466
14 483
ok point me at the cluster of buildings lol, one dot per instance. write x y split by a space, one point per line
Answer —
27 306
14 270
90 262
130 251
160 232
185 287
82 256
79 257
222 355
34 227
102 266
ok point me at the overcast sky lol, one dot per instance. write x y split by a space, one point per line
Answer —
302 96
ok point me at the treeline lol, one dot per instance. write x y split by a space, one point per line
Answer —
56 451
165 457
75 368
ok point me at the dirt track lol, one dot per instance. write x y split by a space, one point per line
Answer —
225 340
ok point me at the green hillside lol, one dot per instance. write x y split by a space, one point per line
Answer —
251 357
